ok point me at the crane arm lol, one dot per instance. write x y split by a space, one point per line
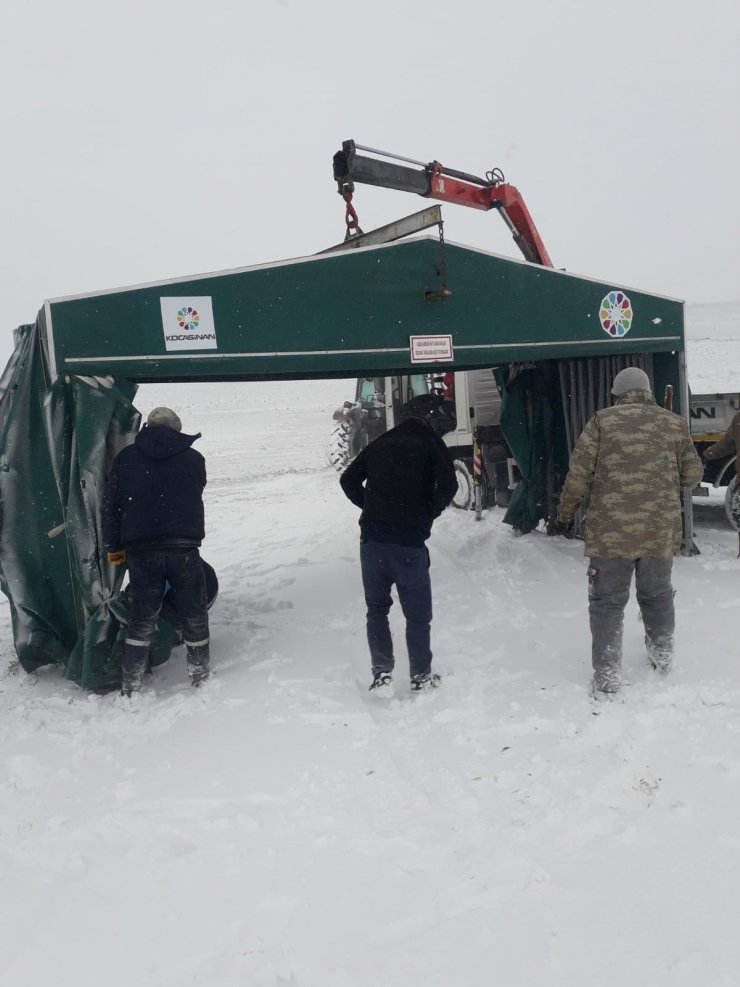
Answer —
433 181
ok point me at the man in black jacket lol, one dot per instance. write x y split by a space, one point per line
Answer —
409 479
153 519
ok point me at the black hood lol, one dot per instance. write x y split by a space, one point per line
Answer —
162 442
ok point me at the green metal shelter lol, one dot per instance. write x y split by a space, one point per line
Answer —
337 314
412 306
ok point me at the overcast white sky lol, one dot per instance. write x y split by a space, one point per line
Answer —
144 140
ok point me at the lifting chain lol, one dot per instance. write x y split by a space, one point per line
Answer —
443 292
350 215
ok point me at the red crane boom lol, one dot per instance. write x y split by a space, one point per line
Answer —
434 181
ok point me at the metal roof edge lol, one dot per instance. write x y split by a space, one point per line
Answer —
231 271
332 256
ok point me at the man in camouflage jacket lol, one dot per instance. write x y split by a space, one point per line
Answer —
627 468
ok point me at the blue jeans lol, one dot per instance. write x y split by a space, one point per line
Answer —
149 570
408 568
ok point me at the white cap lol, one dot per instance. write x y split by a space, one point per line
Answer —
630 379
164 416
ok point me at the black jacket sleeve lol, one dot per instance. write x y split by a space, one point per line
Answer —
444 475
111 513
352 480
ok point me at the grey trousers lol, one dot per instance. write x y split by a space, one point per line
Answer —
609 582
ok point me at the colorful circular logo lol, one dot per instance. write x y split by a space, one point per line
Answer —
615 314
188 318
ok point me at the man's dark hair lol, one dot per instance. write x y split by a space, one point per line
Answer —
437 413
421 408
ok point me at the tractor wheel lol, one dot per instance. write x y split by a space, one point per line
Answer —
732 503
464 499
347 439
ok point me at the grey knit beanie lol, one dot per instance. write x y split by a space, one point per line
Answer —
630 379
164 416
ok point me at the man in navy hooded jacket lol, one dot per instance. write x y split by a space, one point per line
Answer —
401 481
153 520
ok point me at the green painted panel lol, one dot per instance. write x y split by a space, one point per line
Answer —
345 313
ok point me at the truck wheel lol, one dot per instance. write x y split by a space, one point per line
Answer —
346 441
464 499
732 503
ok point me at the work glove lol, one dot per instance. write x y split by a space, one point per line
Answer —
117 558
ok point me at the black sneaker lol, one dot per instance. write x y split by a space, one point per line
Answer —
429 680
381 680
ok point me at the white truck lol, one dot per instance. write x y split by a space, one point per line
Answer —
711 415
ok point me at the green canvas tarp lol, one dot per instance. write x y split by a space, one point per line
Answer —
56 445
532 423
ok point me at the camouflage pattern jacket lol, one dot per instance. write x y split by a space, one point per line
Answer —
628 467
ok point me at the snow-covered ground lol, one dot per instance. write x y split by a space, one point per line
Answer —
713 348
281 826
